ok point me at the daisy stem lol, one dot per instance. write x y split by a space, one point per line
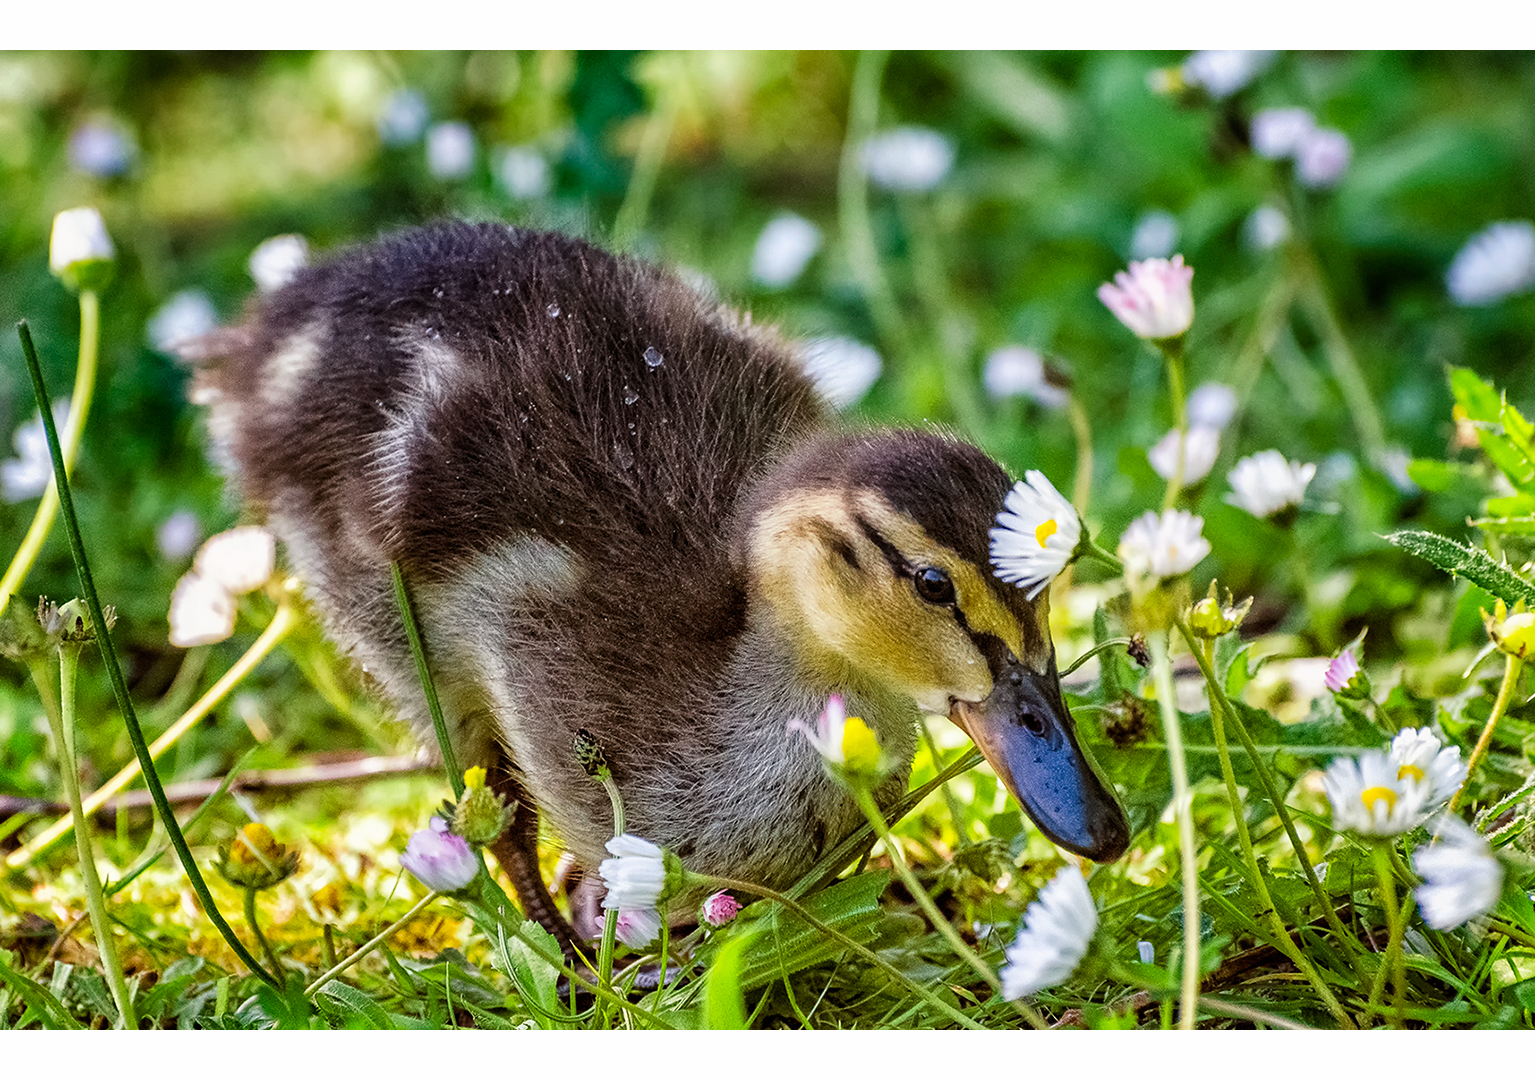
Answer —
428 687
871 811
1081 428
1204 653
1396 926
372 943
255 925
610 915
74 427
63 724
853 200
1183 808
1172 351
1271 789
1511 671
1093 550
848 943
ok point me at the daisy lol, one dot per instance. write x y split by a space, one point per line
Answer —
635 876
1154 298
1420 756
1461 877
908 158
1496 263
1370 797
842 369
784 248
1341 671
1163 546
1199 451
440 860
1053 938
1265 484
1037 534
638 927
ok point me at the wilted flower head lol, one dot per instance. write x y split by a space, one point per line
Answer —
1420 756
1513 634
70 622
1322 158
908 158
277 259
80 253
28 473
440 860
101 148
842 369
1461 877
1222 72
638 927
1266 485
1155 236
1278 133
1213 405
1369 796
640 874
1053 938
1497 262
1153 299
187 315
1160 546
523 172
1200 449
255 860
846 743
1018 371
403 117
1266 228
784 248
719 909
1037 534
449 149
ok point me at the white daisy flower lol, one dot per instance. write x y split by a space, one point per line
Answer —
449 149
1420 756
1322 158
523 172
1222 72
638 927
238 560
1154 298
1018 371
1278 133
276 259
1163 545
635 876
785 247
1370 797
1155 236
908 158
1200 450
101 148
202 612
842 369
1212 404
1053 938
1496 263
1266 484
28 474
1036 535
1461 877
1266 228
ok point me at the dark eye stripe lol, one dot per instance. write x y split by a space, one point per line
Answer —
892 553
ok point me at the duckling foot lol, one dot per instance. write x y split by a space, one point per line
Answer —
517 852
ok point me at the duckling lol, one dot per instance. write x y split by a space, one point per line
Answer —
624 508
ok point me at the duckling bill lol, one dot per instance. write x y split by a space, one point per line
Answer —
624 508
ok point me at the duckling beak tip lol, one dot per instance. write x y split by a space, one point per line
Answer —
1027 735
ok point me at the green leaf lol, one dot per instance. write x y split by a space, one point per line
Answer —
1511 505
49 1011
1475 396
1433 475
1505 525
785 943
1467 562
357 1009
724 997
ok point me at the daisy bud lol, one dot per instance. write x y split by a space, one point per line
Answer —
255 860
1514 634
640 874
481 814
719 909
440 859
1345 678
80 253
1278 133
1212 404
1322 158
1210 618
1199 452
1153 299
589 755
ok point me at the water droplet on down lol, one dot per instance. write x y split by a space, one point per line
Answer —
653 357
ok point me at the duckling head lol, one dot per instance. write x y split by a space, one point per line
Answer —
871 551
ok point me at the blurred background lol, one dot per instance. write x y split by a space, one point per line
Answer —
936 224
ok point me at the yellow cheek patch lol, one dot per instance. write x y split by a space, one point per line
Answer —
1046 530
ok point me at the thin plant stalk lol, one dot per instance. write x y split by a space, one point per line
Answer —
428 686
276 630
1396 926
372 943
853 199
74 428
63 736
1281 934
1082 432
846 942
115 672
610 915
871 811
1183 809
1511 670
1271 789
1345 367
1172 352
255 928
647 162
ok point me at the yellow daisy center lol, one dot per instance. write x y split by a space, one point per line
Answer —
1046 530
1409 771
1373 795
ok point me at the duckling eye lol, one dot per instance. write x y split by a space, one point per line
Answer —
934 586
